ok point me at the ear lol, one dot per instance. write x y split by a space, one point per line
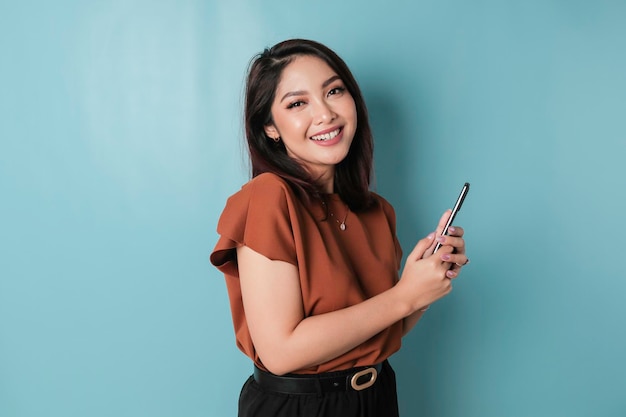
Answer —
271 131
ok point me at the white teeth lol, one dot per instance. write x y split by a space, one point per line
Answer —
326 136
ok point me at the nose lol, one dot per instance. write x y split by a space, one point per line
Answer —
323 113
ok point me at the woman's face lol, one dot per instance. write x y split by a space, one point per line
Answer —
315 116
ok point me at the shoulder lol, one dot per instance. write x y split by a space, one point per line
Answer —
384 209
266 187
266 182
266 196
381 203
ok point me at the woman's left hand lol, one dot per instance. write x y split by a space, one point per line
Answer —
458 258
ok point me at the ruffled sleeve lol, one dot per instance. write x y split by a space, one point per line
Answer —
258 216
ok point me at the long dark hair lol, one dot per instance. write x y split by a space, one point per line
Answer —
353 174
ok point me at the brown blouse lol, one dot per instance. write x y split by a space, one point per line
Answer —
337 268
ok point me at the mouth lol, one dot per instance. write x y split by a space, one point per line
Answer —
327 136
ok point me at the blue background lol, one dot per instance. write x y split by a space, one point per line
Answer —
121 138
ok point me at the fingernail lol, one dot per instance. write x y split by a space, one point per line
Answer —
431 236
450 274
452 229
441 239
445 257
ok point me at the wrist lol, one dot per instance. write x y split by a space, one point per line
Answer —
402 305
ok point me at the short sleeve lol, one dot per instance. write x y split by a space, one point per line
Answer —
259 217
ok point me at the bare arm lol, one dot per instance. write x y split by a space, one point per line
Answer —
287 341
283 337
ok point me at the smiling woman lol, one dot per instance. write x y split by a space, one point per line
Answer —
315 116
310 254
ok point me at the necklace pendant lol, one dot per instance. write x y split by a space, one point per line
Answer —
342 226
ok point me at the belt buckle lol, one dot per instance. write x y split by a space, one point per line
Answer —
354 381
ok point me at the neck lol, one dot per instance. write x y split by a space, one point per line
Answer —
327 181
323 176
328 189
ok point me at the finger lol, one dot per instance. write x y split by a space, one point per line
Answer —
453 258
462 264
438 231
458 243
456 231
458 262
422 246
443 220
444 256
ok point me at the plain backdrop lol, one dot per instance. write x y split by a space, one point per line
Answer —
121 138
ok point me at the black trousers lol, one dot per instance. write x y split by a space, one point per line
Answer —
379 400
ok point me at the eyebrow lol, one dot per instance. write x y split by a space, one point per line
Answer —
302 92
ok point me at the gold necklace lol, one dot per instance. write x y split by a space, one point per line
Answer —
342 224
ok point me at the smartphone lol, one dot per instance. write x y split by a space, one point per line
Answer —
455 210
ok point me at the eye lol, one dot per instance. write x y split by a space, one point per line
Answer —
297 103
336 90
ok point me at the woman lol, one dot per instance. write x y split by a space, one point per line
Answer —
310 255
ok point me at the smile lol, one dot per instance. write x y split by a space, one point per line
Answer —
327 136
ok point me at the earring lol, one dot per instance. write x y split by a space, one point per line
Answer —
276 139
